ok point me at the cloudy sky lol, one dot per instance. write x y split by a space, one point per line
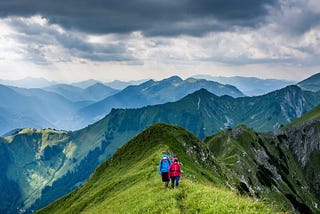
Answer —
72 40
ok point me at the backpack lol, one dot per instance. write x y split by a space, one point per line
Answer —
166 160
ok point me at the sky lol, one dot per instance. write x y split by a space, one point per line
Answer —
75 40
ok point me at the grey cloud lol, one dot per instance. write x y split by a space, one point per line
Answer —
152 17
38 40
294 17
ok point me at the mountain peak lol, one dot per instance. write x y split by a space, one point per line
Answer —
173 79
202 92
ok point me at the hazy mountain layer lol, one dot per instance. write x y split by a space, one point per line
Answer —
33 108
250 86
60 161
93 93
151 93
57 106
311 84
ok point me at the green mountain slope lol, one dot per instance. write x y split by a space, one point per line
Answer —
313 114
310 84
64 160
279 168
263 166
128 182
204 113
152 93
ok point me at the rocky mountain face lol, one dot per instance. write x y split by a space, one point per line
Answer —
304 141
277 167
43 165
203 113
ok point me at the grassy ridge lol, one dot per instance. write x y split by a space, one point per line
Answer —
310 115
129 182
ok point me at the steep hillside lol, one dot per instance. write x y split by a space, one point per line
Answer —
204 114
129 183
304 141
312 114
151 93
310 84
264 166
268 167
33 160
70 162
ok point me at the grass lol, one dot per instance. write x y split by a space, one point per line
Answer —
313 114
137 188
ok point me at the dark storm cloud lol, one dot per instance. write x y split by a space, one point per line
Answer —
152 17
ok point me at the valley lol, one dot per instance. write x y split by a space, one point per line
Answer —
43 165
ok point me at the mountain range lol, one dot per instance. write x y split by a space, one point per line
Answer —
70 107
86 102
151 93
250 86
90 94
32 108
43 165
278 168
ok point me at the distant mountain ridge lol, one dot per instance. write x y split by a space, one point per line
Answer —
92 93
120 85
92 100
60 161
250 86
311 83
204 113
32 107
28 82
153 92
62 108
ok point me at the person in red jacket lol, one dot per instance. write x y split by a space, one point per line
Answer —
175 172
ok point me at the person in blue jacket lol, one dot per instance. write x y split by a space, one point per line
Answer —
163 170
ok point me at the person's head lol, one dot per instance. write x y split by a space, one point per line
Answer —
175 160
164 156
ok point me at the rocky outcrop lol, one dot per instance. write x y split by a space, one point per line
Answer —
304 141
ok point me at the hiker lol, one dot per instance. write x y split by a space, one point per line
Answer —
175 172
164 169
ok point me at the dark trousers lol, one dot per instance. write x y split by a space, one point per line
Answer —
175 179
